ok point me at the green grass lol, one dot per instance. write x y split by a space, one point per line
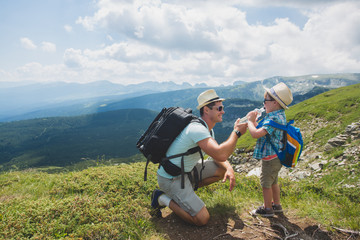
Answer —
103 202
326 199
114 202
107 202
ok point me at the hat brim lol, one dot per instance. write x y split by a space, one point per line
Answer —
276 98
206 103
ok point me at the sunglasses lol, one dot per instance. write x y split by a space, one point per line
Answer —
268 100
219 108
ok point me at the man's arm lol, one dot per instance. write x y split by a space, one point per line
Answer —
221 152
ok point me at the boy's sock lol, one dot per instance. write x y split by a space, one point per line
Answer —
164 200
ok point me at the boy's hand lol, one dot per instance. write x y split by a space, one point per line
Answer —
251 116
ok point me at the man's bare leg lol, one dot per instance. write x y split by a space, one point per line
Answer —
200 219
219 175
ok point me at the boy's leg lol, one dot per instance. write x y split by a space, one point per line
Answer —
276 193
269 181
268 196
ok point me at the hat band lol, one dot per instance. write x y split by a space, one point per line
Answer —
274 93
211 100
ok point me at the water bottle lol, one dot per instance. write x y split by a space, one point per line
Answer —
259 112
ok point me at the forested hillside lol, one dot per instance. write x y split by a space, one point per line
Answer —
66 141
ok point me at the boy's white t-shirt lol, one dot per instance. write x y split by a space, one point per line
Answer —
187 139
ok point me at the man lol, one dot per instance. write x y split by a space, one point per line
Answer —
184 202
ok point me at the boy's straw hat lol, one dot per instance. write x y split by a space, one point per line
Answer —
207 97
281 93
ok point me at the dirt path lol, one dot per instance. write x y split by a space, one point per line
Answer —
247 227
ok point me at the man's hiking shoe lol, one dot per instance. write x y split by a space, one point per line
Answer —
277 208
155 203
155 197
261 211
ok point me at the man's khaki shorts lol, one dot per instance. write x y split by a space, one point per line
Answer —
186 198
269 172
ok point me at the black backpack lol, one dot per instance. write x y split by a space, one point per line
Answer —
163 130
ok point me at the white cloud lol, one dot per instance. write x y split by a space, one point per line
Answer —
6 76
27 43
68 28
209 41
110 38
73 58
45 46
48 47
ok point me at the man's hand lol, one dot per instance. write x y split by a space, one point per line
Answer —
240 126
229 174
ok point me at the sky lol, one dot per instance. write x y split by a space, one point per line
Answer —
195 41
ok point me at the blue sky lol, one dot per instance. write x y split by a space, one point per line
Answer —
213 42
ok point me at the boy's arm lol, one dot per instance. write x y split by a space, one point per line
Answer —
255 133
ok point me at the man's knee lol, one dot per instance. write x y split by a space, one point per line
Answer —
220 172
202 218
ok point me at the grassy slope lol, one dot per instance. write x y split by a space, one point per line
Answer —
332 110
113 201
102 202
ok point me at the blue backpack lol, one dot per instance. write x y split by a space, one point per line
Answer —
293 143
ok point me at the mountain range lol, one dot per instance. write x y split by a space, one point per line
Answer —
20 100
72 99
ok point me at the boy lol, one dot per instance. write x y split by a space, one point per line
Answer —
276 100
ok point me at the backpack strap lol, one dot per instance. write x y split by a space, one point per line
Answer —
194 178
278 126
260 123
145 172
174 170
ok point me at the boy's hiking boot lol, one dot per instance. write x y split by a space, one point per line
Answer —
277 208
155 203
262 211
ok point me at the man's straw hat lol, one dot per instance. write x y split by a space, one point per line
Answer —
207 97
281 93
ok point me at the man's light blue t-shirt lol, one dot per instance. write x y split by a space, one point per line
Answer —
186 140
